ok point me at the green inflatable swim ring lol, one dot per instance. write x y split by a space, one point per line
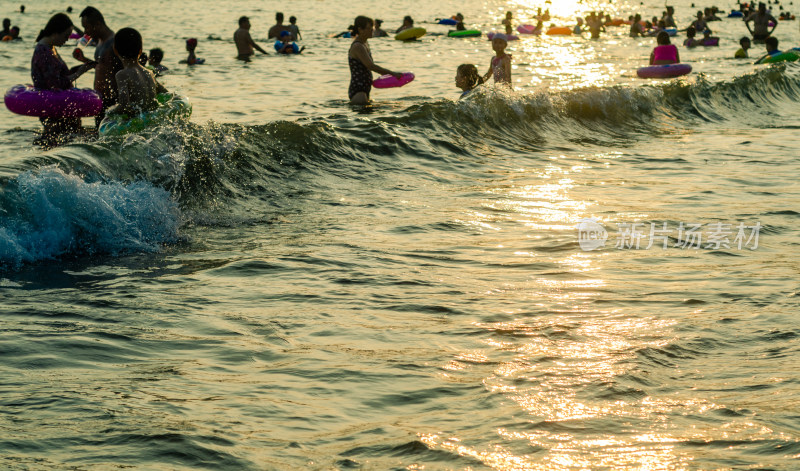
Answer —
788 56
467 33
170 108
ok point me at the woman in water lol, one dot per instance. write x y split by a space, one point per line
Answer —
361 64
665 52
50 72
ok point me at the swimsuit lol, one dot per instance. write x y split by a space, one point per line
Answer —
360 76
499 76
665 52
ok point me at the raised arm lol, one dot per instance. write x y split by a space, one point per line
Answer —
255 46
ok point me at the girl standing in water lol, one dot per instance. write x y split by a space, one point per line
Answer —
361 64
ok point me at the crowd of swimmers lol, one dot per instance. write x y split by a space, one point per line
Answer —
125 86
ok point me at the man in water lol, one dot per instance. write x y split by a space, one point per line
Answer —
6 28
244 43
761 21
595 25
108 64
275 31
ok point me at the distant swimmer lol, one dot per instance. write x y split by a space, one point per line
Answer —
294 29
595 24
500 65
191 46
154 61
361 65
690 38
275 31
761 20
378 32
507 22
408 22
665 52
742 52
578 29
244 43
467 78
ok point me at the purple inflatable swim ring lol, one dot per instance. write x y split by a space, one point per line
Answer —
509 37
72 103
664 71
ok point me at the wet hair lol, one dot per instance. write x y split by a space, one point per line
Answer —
93 15
361 22
156 55
242 20
59 23
691 32
378 23
128 43
279 16
6 22
69 9
771 43
470 72
744 39
292 19
662 38
408 19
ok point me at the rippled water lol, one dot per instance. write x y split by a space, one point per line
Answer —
289 283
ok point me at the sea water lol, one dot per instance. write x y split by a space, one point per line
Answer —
590 272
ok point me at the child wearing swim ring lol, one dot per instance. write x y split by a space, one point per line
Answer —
664 53
137 86
285 45
690 40
500 65
467 78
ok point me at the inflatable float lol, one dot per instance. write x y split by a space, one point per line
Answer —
664 71
410 33
467 33
509 37
72 103
559 31
389 81
447 21
736 14
528 29
788 56
170 107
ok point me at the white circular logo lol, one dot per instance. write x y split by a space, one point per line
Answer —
591 234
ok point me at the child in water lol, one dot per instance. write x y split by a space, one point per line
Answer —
285 45
664 53
191 45
467 78
156 56
507 22
136 85
500 65
294 29
690 40
742 52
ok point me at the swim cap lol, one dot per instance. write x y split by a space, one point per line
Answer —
285 33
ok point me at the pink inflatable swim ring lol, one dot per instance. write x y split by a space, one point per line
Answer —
72 103
664 71
388 81
528 29
509 37
75 36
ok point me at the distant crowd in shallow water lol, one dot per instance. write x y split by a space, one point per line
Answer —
125 76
